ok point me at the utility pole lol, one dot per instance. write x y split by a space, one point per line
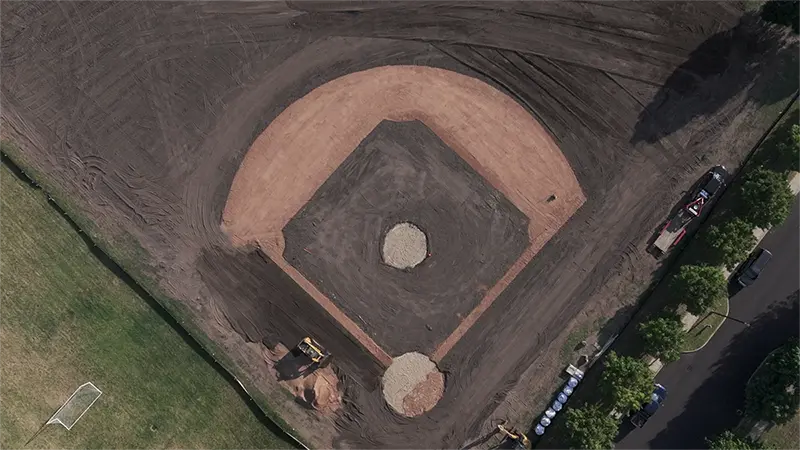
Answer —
747 324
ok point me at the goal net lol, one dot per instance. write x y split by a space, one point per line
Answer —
76 405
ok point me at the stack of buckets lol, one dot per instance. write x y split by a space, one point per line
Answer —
558 404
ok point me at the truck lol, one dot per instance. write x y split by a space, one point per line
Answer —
648 409
672 233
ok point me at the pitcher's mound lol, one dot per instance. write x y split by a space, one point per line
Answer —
412 385
405 246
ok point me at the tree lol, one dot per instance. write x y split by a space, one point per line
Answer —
766 198
590 427
788 153
731 242
782 13
663 337
626 383
773 392
699 287
730 441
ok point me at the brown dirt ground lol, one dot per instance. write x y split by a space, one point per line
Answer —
495 135
403 171
319 389
425 395
141 114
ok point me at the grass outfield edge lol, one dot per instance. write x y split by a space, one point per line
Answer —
166 308
716 328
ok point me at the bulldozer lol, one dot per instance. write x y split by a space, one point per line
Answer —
513 439
314 351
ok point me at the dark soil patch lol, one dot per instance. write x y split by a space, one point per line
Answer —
402 172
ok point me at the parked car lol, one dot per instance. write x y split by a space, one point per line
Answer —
751 269
648 409
713 182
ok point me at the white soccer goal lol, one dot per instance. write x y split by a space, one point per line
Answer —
76 405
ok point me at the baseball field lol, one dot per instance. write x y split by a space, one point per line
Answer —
439 193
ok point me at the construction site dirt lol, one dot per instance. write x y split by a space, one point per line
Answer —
157 121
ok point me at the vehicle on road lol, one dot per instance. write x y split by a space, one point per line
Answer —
710 185
750 270
648 409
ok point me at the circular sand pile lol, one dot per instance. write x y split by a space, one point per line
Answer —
412 385
404 246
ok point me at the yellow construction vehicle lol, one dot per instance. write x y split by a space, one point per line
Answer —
315 352
513 439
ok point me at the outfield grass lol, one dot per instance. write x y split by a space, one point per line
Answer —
67 319
784 436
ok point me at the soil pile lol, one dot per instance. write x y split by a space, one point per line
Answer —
405 246
412 385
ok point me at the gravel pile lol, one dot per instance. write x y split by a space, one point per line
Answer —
412 384
404 246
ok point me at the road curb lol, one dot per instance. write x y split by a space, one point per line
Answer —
727 311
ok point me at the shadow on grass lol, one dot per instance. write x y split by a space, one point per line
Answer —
616 323
723 66
123 276
771 158
717 403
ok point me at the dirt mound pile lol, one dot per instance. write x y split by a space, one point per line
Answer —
412 385
318 389
405 246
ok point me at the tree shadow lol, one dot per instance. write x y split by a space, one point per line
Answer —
615 324
752 56
625 428
771 156
718 402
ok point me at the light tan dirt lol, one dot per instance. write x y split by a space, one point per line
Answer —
405 246
409 373
425 395
305 144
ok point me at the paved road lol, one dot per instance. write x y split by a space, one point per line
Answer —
706 388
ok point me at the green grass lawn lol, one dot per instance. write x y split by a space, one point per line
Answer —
66 319
784 436
706 326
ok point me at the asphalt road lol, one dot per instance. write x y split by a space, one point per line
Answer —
706 388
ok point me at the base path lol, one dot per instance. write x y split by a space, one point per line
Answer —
305 144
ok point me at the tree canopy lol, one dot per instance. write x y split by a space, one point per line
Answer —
773 392
782 12
730 441
789 150
766 198
590 427
663 337
626 383
731 242
698 287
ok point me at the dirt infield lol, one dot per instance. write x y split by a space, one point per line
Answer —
403 171
494 134
142 113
